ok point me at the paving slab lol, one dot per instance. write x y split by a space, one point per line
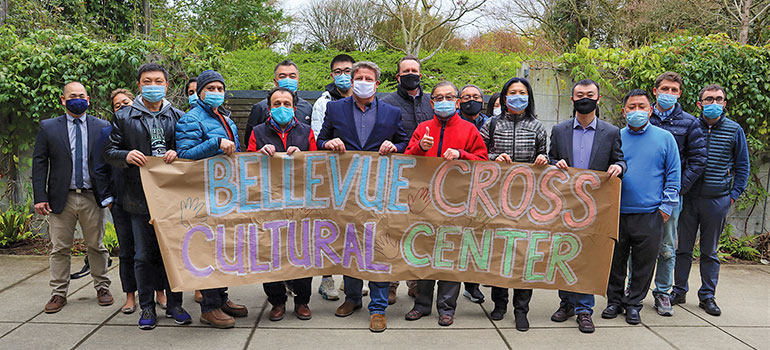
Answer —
45 336
23 267
166 337
82 306
608 338
6 327
698 338
446 338
758 337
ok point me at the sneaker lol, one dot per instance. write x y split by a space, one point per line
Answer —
148 319
179 315
327 290
663 304
474 295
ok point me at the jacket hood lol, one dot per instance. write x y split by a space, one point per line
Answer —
139 105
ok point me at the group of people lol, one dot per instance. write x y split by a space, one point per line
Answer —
672 164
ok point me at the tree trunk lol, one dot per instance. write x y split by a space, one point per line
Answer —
147 17
745 21
3 11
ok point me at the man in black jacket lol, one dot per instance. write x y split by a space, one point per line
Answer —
146 128
63 184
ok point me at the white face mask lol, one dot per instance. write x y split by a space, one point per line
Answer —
497 111
363 89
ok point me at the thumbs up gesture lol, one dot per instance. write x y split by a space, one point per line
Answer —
427 141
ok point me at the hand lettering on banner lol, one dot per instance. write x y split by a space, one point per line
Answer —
386 246
190 212
420 201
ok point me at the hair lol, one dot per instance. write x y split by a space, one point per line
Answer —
117 92
473 86
283 64
151 67
636 92
711 87
365 64
444 83
408 58
586 82
530 111
491 104
279 89
341 58
670 76
187 86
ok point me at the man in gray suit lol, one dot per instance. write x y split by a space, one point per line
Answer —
63 181
584 142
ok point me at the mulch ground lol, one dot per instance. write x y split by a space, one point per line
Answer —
40 246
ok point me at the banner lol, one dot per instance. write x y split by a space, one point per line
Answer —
250 218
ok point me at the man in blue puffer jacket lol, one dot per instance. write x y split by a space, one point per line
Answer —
207 131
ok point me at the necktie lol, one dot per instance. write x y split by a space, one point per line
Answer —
78 154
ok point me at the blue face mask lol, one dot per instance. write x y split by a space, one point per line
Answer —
153 93
290 84
636 118
76 106
282 115
712 111
517 103
666 101
192 99
342 82
214 99
444 109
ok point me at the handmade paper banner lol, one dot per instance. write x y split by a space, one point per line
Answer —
249 218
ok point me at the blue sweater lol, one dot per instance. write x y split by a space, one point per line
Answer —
654 171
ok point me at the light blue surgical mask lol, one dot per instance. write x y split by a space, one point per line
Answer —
214 99
153 93
288 83
637 118
444 109
282 115
342 82
666 101
712 111
517 103
192 99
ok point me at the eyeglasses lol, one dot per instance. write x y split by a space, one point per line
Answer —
711 100
341 71
467 98
440 98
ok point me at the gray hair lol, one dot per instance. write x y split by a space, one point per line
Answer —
283 64
365 64
473 86
444 83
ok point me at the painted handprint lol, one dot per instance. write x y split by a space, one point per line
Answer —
386 246
418 202
479 221
191 212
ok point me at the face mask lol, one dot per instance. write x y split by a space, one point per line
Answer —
214 99
585 105
444 108
342 82
410 81
363 89
712 111
497 111
666 101
77 106
153 93
192 99
471 107
636 118
290 84
517 103
282 115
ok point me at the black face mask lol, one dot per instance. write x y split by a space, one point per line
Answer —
471 107
410 81
585 105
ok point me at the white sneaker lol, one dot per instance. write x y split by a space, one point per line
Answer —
327 290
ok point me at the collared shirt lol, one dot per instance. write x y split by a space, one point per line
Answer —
582 143
365 120
84 148
663 115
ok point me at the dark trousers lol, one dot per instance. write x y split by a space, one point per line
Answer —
470 286
708 214
276 291
446 297
213 299
125 233
639 236
150 273
521 298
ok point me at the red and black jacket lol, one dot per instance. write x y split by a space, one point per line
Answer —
297 134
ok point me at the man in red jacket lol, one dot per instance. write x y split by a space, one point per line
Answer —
451 137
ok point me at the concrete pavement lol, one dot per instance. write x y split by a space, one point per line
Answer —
743 295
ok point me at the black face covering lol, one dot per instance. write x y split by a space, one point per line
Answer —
410 81
471 107
585 105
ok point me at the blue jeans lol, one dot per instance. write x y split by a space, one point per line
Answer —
664 272
150 272
579 301
378 293
708 214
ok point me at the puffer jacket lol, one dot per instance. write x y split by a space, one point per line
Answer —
692 144
199 132
414 110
